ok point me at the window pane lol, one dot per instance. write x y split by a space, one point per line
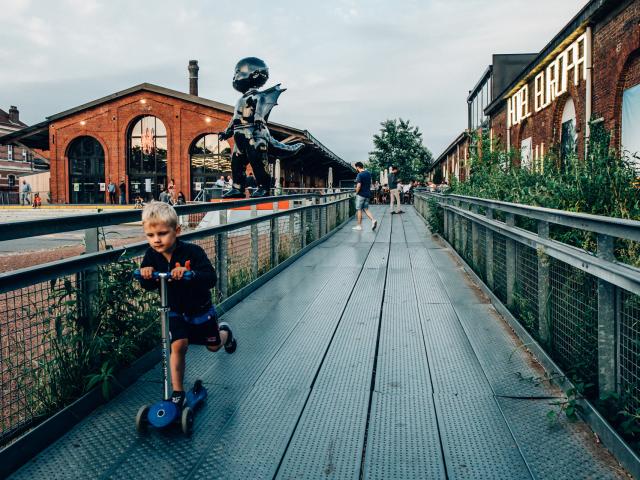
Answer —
631 124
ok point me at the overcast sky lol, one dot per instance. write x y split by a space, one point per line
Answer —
347 64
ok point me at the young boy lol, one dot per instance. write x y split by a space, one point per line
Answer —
192 318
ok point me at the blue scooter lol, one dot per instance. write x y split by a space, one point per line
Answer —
165 413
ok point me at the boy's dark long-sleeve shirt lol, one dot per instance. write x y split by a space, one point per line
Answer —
190 297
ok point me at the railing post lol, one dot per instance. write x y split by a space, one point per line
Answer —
544 326
292 226
222 258
457 228
451 232
254 243
606 322
323 217
445 215
303 228
88 284
510 260
489 253
275 237
463 232
475 241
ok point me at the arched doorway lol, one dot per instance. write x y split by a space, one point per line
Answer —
209 158
146 157
86 170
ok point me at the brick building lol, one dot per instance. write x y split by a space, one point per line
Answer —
15 161
589 72
149 135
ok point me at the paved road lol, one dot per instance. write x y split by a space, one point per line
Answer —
373 356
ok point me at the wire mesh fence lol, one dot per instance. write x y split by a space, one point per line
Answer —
573 306
629 347
55 334
526 288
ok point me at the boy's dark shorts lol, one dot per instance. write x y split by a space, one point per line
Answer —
206 333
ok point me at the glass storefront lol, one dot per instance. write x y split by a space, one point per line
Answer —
86 171
147 158
210 158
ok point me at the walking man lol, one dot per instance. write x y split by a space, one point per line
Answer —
363 194
394 190
26 193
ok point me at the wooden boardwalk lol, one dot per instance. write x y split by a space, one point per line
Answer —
372 356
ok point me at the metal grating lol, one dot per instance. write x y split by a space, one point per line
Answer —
629 347
574 320
526 288
500 266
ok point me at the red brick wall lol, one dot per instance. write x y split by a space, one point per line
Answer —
616 64
109 122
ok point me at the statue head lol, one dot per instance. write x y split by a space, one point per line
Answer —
251 72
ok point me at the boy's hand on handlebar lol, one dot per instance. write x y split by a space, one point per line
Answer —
178 272
146 273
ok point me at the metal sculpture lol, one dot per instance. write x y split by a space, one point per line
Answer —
254 144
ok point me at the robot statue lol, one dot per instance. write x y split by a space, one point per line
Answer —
253 142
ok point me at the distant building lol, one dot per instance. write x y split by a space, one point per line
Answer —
15 161
453 162
148 136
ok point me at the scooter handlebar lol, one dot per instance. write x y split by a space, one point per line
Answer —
188 275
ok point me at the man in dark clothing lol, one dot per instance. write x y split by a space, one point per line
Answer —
111 188
123 192
363 194
192 316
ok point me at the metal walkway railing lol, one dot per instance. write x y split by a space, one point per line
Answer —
568 278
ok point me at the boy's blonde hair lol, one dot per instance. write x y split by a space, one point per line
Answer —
159 212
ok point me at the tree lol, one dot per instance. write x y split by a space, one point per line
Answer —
399 143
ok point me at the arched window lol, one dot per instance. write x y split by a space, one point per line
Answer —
568 137
86 170
12 181
210 158
631 124
147 157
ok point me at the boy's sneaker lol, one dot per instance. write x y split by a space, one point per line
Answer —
374 224
231 344
357 227
178 398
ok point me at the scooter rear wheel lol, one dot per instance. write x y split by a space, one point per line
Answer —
187 421
142 421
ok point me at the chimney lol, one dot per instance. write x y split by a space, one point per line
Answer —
14 114
193 77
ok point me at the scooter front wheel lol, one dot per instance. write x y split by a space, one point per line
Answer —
187 421
142 420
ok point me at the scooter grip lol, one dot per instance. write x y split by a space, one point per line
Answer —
188 275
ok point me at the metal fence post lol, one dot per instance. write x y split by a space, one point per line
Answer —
510 260
544 324
323 218
489 253
222 258
445 216
292 227
606 322
275 237
463 232
475 240
254 243
303 228
457 227
87 281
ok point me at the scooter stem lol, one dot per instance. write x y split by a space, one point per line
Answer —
166 341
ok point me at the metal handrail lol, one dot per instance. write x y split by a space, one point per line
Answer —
32 228
616 227
47 271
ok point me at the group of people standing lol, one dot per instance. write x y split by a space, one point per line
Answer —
112 191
